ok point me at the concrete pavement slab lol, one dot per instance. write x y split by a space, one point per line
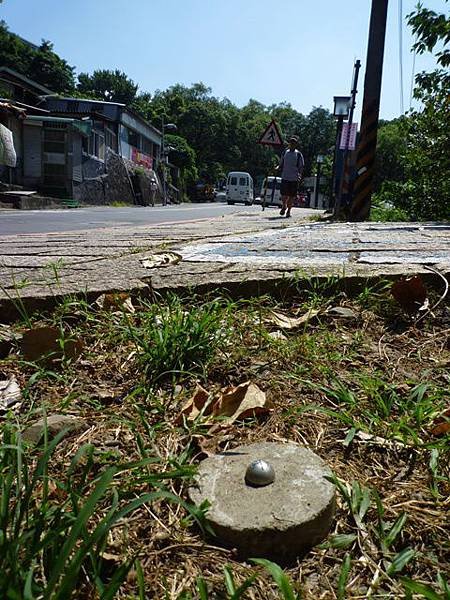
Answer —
246 252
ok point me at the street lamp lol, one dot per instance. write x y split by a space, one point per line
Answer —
341 106
165 127
340 112
319 160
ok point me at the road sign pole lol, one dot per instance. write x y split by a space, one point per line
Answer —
360 207
316 189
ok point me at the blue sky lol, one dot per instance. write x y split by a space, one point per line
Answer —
295 51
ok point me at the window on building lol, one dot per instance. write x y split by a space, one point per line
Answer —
110 139
99 145
54 141
146 146
133 138
95 145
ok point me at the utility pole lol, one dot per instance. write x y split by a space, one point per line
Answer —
360 207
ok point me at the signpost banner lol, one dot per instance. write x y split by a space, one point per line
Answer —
271 136
141 159
348 136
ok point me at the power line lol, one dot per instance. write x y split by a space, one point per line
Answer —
400 52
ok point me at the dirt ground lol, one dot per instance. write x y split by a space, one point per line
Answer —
366 388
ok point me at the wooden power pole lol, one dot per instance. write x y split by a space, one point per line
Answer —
362 193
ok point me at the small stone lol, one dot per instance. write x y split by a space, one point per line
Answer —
55 424
342 312
277 521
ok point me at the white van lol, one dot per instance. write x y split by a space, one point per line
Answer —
239 188
271 191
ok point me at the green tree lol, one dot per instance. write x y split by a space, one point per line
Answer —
42 65
317 136
425 192
50 70
183 156
110 86
14 53
391 151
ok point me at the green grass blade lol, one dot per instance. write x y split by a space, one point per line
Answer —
343 576
140 580
110 592
279 576
395 530
400 560
229 581
84 515
426 591
202 588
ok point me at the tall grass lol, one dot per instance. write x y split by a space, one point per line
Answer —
175 339
53 532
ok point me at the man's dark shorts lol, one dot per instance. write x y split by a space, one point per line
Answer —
288 188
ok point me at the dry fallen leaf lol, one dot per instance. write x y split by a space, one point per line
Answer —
161 259
410 293
441 429
285 322
8 338
43 344
116 302
277 335
442 425
245 400
10 395
195 405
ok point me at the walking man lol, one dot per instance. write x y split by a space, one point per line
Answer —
291 167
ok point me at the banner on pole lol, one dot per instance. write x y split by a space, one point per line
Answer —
348 136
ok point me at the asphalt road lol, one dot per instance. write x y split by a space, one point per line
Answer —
47 221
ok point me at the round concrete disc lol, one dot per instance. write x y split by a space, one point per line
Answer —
278 521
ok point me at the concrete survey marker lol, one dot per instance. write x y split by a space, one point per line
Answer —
290 513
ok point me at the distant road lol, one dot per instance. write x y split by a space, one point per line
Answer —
13 222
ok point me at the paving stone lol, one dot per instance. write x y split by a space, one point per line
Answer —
248 252
280 520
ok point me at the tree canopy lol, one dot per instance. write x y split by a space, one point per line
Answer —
42 64
413 153
110 86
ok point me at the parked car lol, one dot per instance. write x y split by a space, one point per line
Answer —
239 188
220 196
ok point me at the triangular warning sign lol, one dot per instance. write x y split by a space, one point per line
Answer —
271 136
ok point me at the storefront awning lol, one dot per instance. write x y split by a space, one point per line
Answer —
82 126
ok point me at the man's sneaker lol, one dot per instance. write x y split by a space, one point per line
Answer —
288 214
282 211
